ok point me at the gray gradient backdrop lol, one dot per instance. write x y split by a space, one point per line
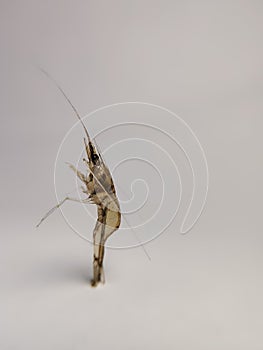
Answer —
201 59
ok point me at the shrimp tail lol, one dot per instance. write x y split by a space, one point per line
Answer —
98 271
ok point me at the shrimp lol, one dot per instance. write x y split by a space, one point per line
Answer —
100 190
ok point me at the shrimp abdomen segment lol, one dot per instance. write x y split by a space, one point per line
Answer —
107 223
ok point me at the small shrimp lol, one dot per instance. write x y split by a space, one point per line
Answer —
99 186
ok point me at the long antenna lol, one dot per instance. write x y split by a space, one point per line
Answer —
89 140
67 98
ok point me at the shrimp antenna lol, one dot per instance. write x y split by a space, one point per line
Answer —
67 98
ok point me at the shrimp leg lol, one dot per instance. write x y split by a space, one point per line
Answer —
60 204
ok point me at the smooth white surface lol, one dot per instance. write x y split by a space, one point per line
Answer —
201 59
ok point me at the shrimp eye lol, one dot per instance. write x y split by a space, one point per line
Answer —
94 158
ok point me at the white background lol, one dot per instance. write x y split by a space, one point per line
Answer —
202 60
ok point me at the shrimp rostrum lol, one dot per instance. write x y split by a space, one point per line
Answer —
99 189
